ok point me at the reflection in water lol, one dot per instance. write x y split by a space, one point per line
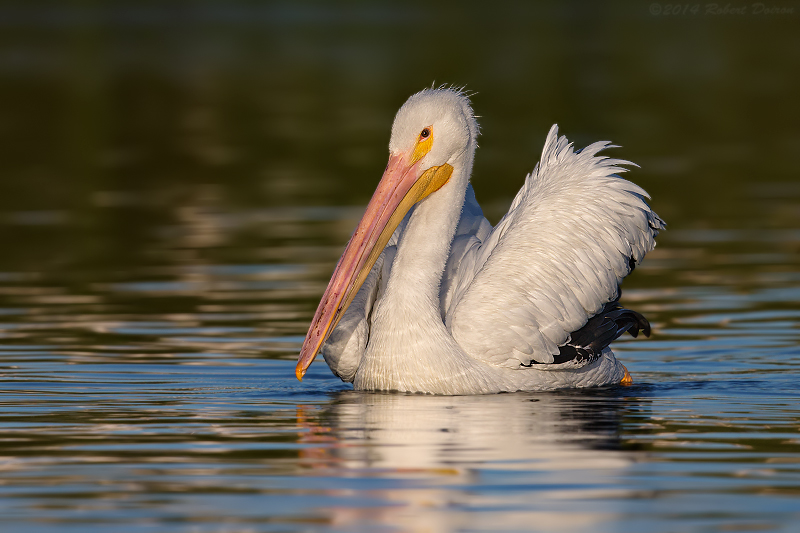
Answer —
521 458
421 431
165 390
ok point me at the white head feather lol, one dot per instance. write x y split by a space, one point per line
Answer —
447 112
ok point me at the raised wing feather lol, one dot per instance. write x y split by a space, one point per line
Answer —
574 231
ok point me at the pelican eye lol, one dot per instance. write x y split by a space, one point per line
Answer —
424 144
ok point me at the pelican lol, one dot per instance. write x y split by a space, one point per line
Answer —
428 297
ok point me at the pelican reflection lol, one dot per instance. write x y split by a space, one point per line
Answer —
471 451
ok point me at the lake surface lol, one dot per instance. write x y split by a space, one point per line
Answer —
177 183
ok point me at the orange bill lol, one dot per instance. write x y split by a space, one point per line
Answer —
402 185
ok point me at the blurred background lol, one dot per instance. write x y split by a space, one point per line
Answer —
121 123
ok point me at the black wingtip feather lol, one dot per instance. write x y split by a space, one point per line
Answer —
587 343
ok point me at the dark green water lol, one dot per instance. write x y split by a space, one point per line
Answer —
177 181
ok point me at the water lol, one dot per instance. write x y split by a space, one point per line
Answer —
179 182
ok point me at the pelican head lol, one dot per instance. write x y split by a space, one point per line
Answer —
432 130
448 117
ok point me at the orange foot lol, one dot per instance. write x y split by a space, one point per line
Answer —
627 380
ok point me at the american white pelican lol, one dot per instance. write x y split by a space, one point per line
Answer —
428 297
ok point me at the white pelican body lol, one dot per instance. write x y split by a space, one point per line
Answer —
428 297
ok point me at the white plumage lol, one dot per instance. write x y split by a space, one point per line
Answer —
453 306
